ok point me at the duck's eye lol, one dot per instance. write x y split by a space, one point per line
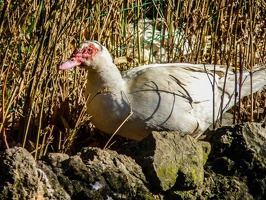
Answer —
90 51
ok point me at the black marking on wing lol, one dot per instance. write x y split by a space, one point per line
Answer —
170 114
186 95
159 101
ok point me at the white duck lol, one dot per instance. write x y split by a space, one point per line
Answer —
176 96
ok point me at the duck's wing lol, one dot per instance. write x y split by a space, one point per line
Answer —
181 96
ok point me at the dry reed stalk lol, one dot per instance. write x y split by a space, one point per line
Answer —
43 109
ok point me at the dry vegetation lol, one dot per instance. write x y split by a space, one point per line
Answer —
43 109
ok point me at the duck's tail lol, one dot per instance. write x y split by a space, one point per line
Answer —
247 83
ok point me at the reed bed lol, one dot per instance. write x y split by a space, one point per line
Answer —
43 109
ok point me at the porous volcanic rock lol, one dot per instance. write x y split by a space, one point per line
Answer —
229 164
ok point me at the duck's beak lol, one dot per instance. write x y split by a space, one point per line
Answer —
69 64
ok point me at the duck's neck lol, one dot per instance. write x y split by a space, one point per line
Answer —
105 78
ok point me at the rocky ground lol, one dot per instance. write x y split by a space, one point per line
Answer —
229 164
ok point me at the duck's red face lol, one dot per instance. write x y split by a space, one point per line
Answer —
84 52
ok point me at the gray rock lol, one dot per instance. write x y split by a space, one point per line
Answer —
170 160
21 178
239 151
121 173
99 174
